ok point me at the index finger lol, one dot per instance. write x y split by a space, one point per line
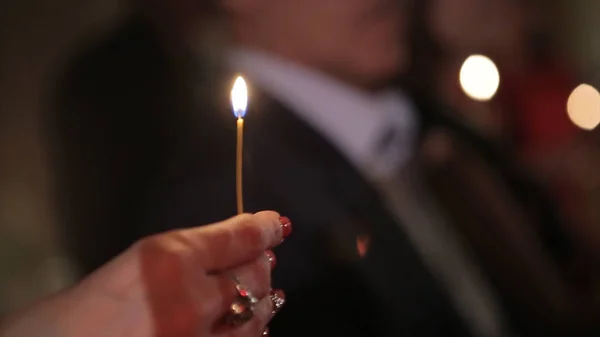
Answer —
235 241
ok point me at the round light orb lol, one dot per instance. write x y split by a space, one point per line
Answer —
583 107
479 78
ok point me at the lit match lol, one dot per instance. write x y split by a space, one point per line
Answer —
239 103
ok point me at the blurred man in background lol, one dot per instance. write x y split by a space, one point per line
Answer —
381 235
390 195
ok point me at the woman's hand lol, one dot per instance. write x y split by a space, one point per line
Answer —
180 283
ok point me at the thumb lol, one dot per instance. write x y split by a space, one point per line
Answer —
235 241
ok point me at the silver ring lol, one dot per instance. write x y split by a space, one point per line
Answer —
242 308
278 301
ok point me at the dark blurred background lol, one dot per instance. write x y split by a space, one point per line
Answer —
39 38
36 38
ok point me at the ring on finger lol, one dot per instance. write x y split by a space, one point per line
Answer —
242 308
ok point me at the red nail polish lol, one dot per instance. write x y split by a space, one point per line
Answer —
278 298
265 333
286 225
271 257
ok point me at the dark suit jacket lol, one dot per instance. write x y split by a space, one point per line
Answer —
331 290
123 114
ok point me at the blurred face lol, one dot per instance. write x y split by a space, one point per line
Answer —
358 40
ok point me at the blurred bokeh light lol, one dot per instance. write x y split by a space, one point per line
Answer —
583 107
479 78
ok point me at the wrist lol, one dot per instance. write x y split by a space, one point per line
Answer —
44 319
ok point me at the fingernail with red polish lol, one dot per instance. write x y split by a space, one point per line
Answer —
271 258
278 298
265 333
286 226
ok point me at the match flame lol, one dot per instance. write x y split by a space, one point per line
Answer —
239 97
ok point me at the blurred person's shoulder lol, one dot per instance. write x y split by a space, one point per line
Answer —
120 77
112 59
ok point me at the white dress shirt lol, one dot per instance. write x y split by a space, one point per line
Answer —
354 122
351 120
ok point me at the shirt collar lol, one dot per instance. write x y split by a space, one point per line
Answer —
352 120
